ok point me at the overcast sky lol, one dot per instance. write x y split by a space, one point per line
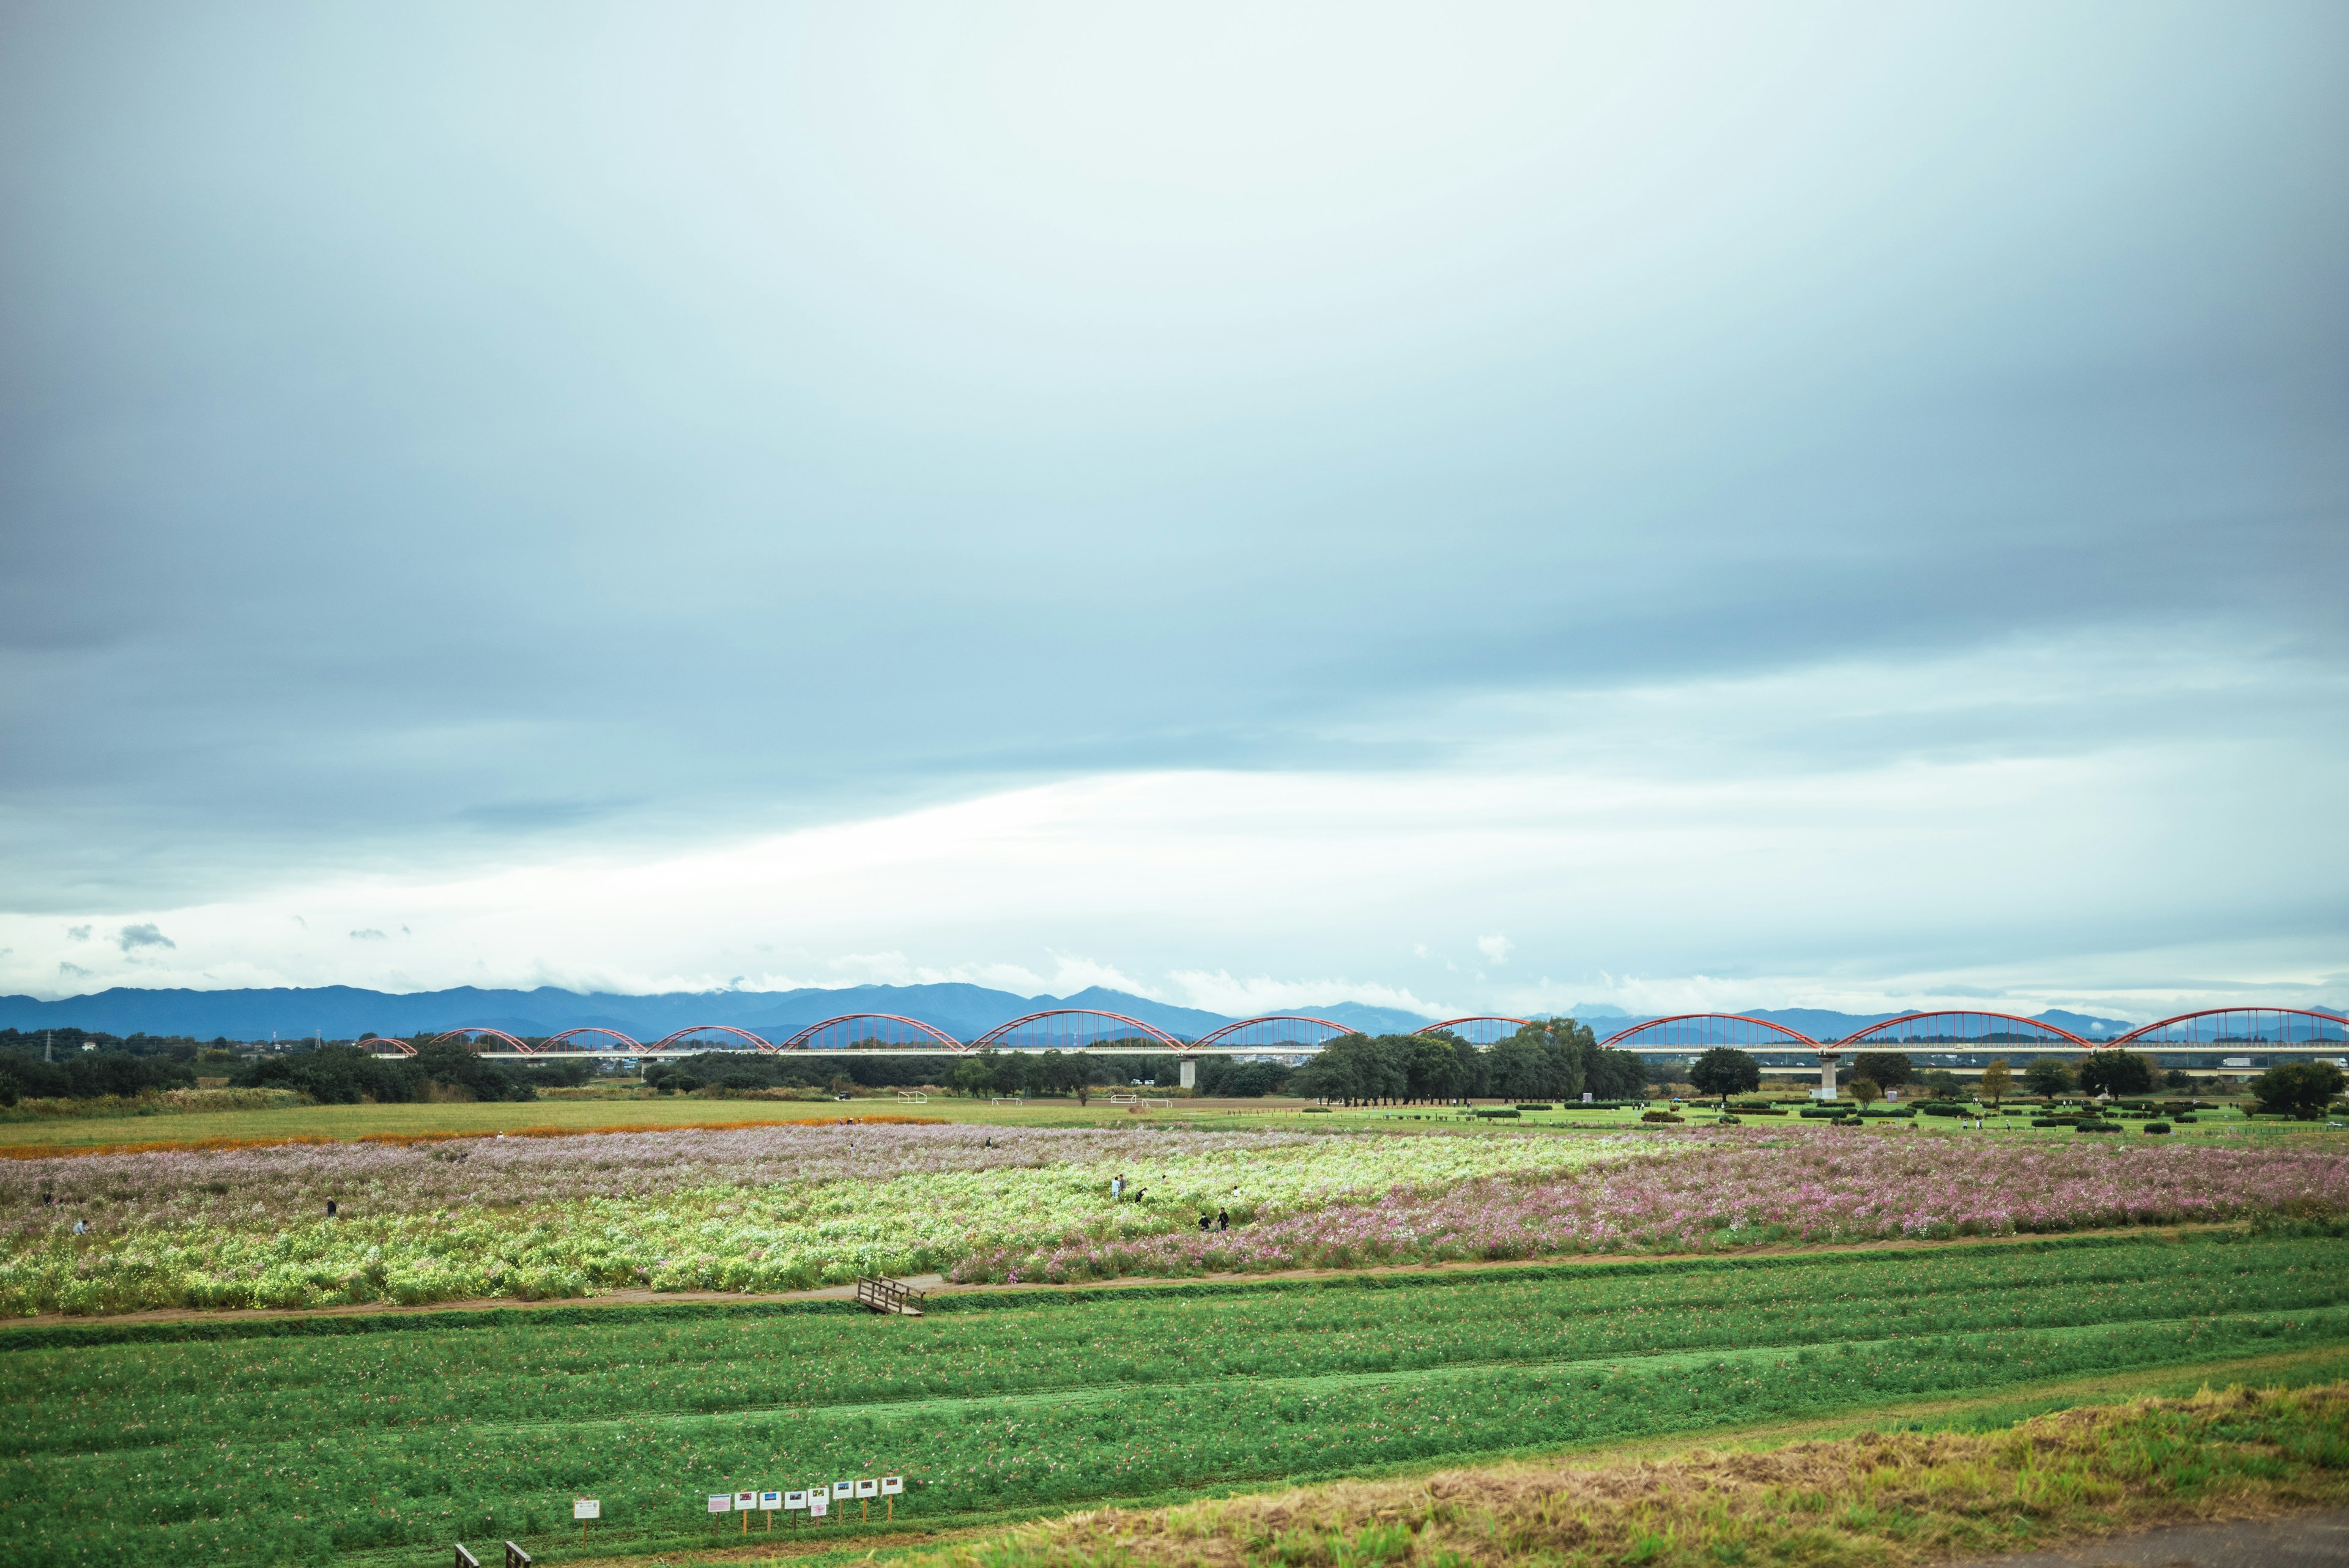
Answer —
1468 507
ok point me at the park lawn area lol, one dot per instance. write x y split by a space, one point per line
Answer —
381 1439
583 1114
345 1122
1917 1493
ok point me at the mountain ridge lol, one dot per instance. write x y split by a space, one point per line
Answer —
962 1010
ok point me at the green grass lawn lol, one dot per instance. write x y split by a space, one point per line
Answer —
384 1439
671 1111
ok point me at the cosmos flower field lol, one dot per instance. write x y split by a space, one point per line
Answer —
776 1208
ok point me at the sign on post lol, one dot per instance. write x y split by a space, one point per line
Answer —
868 1489
842 1491
768 1502
721 1501
818 1505
892 1485
586 1507
796 1501
744 1502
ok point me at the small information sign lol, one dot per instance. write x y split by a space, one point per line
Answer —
868 1489
892 1485
795 1500
844 1489
818 1505
586 1507
769 1500
721 1501
746 1499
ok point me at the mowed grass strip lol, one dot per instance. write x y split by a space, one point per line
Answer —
260 1450
1881 1498
61 1401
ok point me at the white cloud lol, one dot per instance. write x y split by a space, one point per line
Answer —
1877 875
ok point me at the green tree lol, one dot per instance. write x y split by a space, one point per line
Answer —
1887 1069
1941 1084
1430 1068
2048 1077
972 1077
1867 1091
2299 1089
1724 1071
1997 1081
2115 1072
1615 1075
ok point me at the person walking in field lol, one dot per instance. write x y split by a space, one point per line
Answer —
1117 1189
1207 1223
1223 1219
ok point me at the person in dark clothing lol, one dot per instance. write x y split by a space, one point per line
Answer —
1223 1219
1207 1222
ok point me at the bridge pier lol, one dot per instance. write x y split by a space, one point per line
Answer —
1190 1072
1827 1076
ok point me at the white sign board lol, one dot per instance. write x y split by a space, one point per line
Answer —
892 1485
818 1505
721 1501
769 1500
795 1500
1586 1096
746 1501
586 1507
868 1489
843 1488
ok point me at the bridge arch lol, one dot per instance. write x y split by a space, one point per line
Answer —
2242 1026
374 1041
1709 1029
1962 1029
1275 1032
881 1028
1481 1030
1074 1029
473 1035
675 1039
620 1041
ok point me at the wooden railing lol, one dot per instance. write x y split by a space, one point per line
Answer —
887 1295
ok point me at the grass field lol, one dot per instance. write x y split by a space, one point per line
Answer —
686 1111
1903 1496
373 1440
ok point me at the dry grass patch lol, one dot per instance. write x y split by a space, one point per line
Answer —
1890 1498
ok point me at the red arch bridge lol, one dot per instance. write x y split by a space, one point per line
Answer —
2232 1039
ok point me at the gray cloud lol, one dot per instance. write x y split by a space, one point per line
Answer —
761 476
147 935
79 933
71 970
370 935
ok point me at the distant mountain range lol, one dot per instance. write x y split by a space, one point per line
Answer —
344 1013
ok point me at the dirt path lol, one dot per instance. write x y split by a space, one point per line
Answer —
2319 1539
938 1285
